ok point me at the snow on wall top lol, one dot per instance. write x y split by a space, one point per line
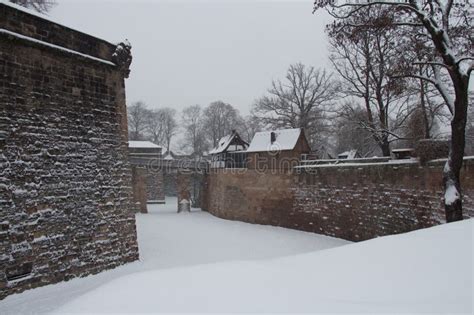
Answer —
44 17
285 139
40 42
142 144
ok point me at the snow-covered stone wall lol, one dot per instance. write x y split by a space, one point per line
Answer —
66 206
354 202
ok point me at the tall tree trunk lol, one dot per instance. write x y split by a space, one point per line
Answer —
385 145
452 169
426 122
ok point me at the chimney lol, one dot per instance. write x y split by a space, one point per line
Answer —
272 137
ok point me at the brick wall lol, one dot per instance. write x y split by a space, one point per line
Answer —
65 180
351 202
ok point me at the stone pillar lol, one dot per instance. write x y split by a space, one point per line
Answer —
184 191
154 185
204 195
139 188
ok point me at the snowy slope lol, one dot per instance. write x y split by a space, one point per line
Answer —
423 271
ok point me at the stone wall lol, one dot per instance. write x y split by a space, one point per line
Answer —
26 24
348 201
65 180
250 196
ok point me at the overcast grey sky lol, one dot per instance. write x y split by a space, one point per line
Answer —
196 52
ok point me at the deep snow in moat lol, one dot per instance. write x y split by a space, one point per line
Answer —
427 271
173 243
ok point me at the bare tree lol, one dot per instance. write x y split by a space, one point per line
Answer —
194 130
155 127
429 108
137 120
220 119
430 104
364 58
170 126
420 125
41 6
350 135
250 126
298 102
447 27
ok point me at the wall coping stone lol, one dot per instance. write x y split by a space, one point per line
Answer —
33 41
43 28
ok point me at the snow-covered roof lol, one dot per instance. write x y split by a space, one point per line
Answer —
227 143
142 144
222 144
168 156
285 139
352 154
178 152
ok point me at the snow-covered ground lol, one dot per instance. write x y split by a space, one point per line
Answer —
193 262
169 243
427 271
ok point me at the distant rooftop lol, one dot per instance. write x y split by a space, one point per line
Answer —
285 139
230 143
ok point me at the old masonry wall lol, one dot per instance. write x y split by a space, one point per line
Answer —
66 206
353 202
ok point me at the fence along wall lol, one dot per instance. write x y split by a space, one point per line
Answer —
351 202
66 205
